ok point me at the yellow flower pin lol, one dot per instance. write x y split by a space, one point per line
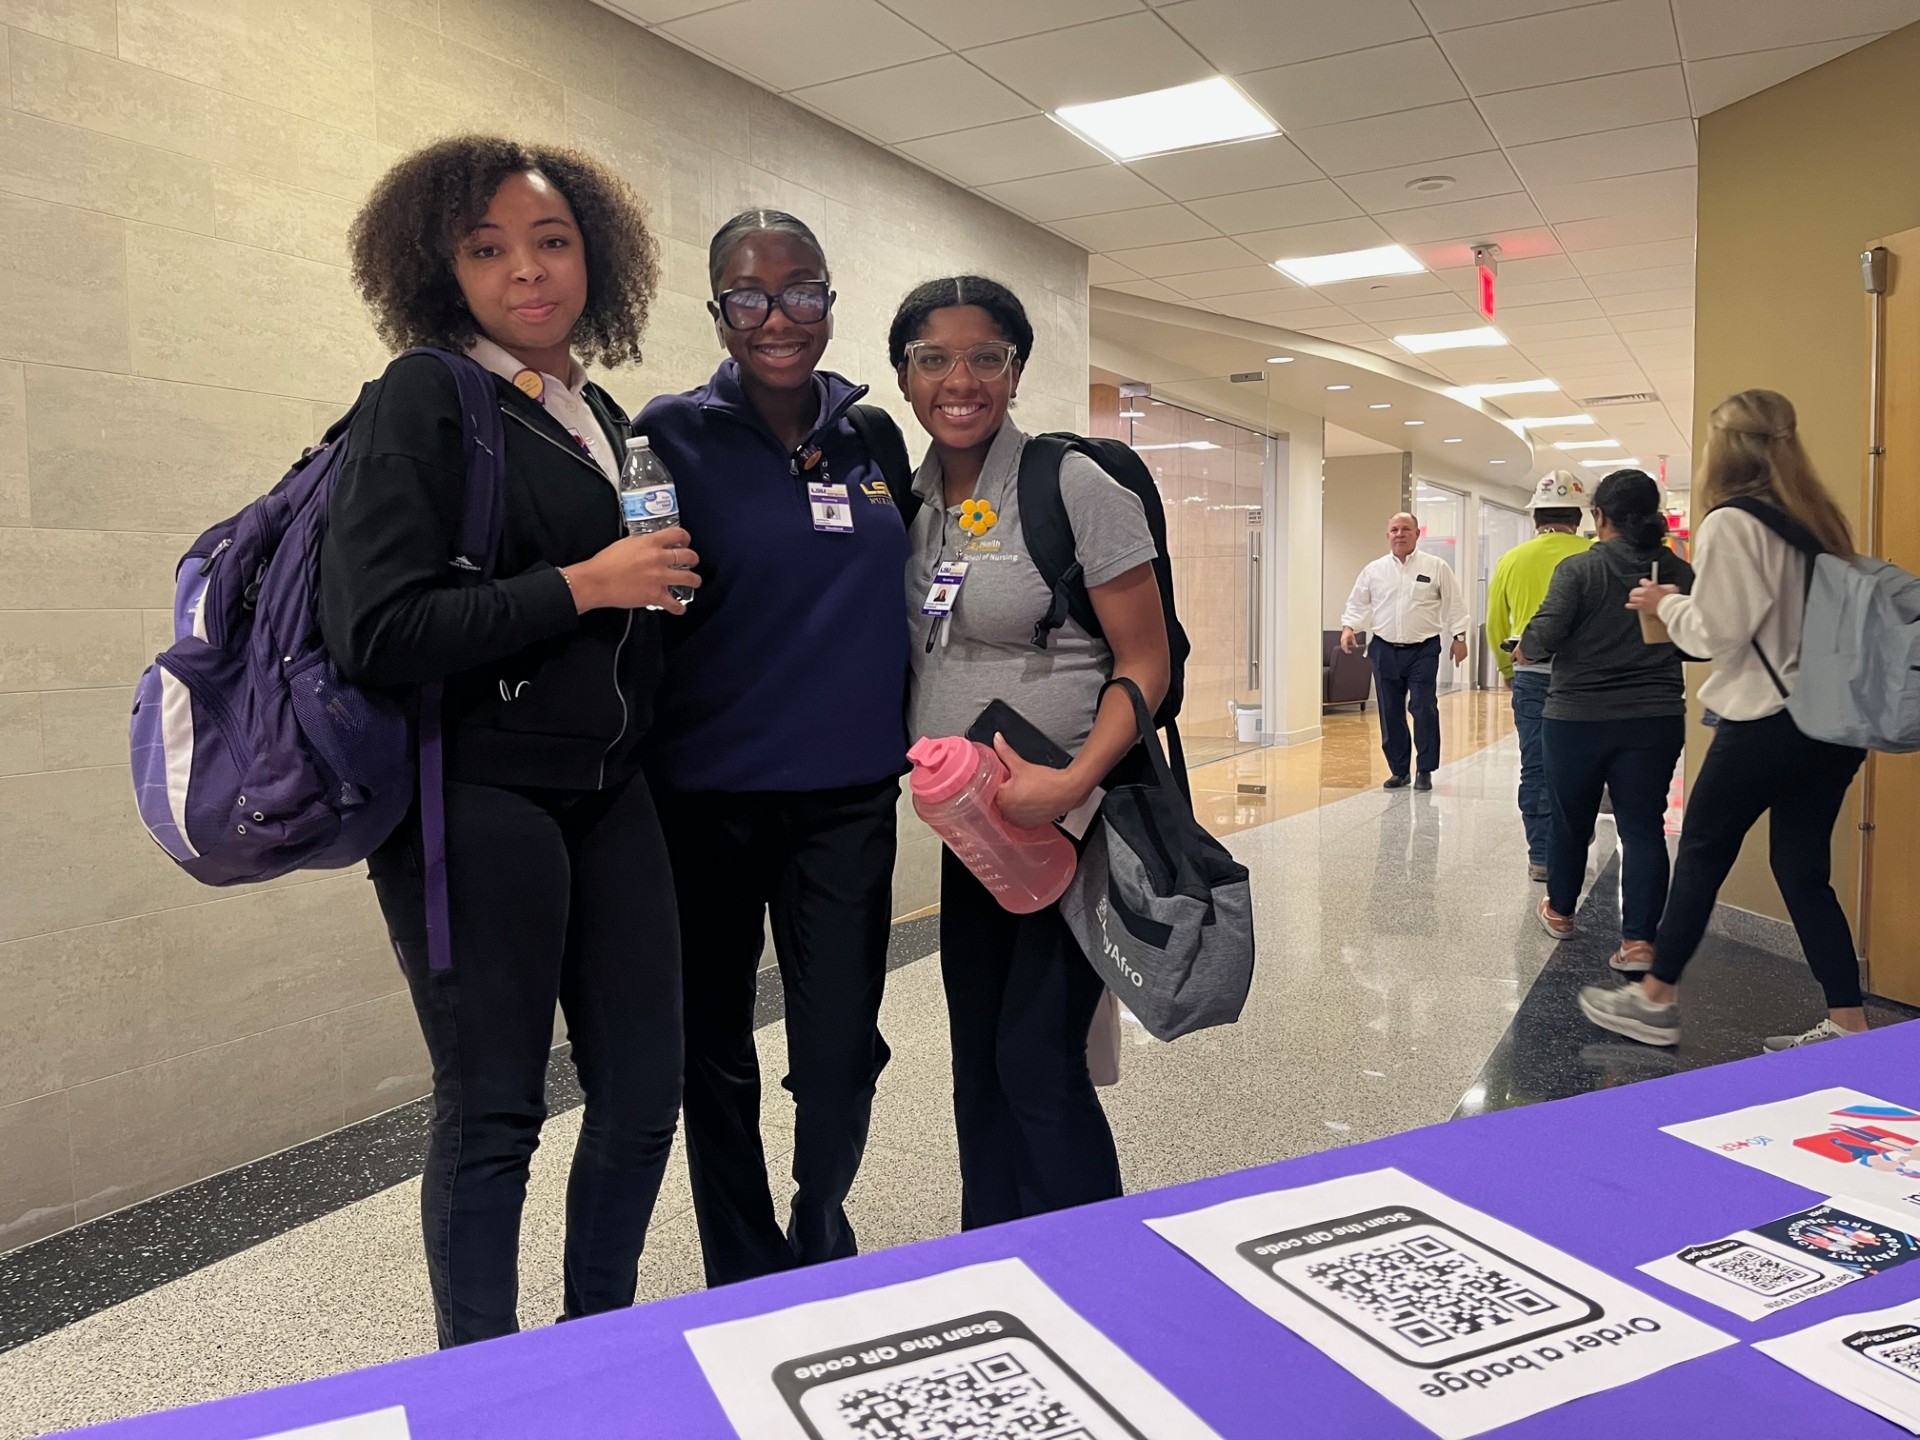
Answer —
977 517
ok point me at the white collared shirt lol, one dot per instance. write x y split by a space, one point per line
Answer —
565 401
1407 601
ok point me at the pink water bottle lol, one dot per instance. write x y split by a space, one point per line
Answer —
954 784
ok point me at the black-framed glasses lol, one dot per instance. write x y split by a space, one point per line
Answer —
805 303
932 361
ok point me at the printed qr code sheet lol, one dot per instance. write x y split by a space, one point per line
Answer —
1871 1358
986 1352
1460 1320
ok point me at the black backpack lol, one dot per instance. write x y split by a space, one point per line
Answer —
1049 534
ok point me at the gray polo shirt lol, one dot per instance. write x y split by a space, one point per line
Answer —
985 651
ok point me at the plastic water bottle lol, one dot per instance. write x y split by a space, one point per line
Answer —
954 784
649 501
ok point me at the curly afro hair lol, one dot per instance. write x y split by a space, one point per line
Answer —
403 240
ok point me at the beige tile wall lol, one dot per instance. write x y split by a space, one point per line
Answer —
176 180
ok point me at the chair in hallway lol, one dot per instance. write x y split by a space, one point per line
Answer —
1344 679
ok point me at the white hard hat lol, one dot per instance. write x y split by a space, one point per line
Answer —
1560 490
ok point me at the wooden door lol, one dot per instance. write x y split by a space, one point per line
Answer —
1890 853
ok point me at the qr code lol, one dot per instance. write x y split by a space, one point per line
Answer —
1426 1291
1755 1270
992 1397
1904 1357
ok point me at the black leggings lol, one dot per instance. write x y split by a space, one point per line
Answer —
1020 1000
1754 767
555 895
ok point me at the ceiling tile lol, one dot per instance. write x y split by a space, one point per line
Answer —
1224 169
1238 279
1105 270
1626 257
1524 319
1512 295
1158 261
1402 76
1598 349
1278 208
1412 307
1515 246
1735 27
1644 301
982 22
1607 154
1406 137
1533 270
1632 325
1147 290
1678 339
1341 334
1012 150
1242 35
1381 287
1722 81
1473 219
1663 193
655 12
1632 282
1328 238
1126 55
1279 319
1473 177
1563 45
785 45
1130 229
1578 107
891 105
1459 14
1093 191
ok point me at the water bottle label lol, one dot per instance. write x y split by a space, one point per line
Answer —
656 502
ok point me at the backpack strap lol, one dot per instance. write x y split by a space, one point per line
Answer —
1048 532
482 515
888 447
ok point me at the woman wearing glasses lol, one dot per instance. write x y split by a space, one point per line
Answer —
1020 994
778 745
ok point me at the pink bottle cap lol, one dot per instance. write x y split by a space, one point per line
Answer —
942 768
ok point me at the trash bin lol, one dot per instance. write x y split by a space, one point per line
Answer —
1246 722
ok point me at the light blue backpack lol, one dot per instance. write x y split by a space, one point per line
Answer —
1859 681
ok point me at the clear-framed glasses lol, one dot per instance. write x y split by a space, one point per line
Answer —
931 361
805 303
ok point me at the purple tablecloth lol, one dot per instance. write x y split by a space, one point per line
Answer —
1591 1175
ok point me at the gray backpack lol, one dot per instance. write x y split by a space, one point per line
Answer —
1162 910
1859 681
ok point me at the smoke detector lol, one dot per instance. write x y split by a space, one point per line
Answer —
1431 184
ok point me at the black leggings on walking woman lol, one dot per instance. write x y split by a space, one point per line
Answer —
1754 767
555 895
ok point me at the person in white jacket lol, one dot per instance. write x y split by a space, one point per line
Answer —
1745 615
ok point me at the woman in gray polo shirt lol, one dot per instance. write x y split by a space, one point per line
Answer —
1020 994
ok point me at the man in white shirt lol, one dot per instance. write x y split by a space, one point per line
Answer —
1408 599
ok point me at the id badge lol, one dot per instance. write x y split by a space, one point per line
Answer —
944 593
831 511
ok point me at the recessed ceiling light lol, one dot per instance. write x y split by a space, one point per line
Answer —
1339 387
1133 414
1181 445
1496 462
1208 112
1617 462
1511 387
1587 445
1413 422
1279 359
1452 440
1380 405
1542 422
1350 265
1450 339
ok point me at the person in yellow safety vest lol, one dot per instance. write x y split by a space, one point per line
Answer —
1516 590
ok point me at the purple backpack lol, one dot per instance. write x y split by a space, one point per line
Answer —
251 756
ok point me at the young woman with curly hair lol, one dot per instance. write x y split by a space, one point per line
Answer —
522 257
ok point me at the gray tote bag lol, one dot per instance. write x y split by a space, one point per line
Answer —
1163 912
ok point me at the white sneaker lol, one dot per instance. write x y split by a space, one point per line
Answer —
1825 1030
1625 1010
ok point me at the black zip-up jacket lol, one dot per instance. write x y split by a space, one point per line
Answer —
1602 669
536 695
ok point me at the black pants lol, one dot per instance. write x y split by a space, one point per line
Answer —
1754 767
554 896
822 863
1020 1000
1408 676
1633 761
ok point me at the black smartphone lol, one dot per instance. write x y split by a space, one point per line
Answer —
1028 742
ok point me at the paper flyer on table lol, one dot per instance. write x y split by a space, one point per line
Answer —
1872 1359
1783 1262
389 1424
984 1350
1834 1142
1461 1320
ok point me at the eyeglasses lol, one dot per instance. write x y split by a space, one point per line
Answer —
804 303
935 362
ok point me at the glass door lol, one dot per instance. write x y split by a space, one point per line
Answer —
1501 529
1442 514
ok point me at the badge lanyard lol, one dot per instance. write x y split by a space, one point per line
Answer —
828 502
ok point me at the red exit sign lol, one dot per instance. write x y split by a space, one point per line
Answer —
1486 267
